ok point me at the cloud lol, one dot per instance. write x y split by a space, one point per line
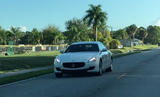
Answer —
157 22
23 28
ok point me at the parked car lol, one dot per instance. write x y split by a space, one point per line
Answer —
84 57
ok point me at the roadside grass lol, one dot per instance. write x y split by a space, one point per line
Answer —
133 49
125 54
26 61
62 45
14 78
34 54
41 53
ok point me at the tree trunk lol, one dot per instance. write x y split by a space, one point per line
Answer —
95 32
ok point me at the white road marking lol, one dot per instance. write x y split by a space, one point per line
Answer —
122 75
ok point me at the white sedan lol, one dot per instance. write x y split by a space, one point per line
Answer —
83 57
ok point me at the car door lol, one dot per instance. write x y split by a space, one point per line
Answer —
107 56
104 55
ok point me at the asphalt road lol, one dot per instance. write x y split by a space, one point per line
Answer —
135 75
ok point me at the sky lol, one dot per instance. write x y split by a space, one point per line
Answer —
30 14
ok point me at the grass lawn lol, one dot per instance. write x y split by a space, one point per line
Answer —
34 54
18 77
27 60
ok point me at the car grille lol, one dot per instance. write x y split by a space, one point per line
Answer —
74 64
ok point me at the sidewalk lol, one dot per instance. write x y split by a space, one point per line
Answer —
24 71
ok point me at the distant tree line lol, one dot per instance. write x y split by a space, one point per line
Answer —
91 27
149 35
49 35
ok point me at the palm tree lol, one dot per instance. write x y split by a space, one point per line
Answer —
95 17
141 33
16 33
131 30
37 36
3 36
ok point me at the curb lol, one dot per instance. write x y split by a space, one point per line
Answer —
24 76
23 71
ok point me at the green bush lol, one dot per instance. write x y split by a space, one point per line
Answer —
107 41
114 44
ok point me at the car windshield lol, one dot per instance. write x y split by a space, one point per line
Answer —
83 48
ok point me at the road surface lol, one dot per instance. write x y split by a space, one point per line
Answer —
136 75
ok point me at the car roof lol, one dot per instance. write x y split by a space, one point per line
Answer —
87 42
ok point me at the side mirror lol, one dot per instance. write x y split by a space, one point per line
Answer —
103 50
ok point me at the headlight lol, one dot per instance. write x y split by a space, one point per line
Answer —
57 60
92 59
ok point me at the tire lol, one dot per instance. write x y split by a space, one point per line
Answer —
110 69
100 72
111 59
58 75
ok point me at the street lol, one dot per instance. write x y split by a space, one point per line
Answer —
136 75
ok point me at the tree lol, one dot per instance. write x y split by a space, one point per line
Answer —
120 34
77 30
114 44
141 33
16 34
153 35
3 36
50 35
131 30
100 37
27 38
95 17
37 36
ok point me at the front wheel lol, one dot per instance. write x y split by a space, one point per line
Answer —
110 69
100 72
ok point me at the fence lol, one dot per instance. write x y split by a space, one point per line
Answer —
33 48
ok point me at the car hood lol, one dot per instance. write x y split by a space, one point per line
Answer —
77 56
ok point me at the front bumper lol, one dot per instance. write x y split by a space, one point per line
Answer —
75 71
89 67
